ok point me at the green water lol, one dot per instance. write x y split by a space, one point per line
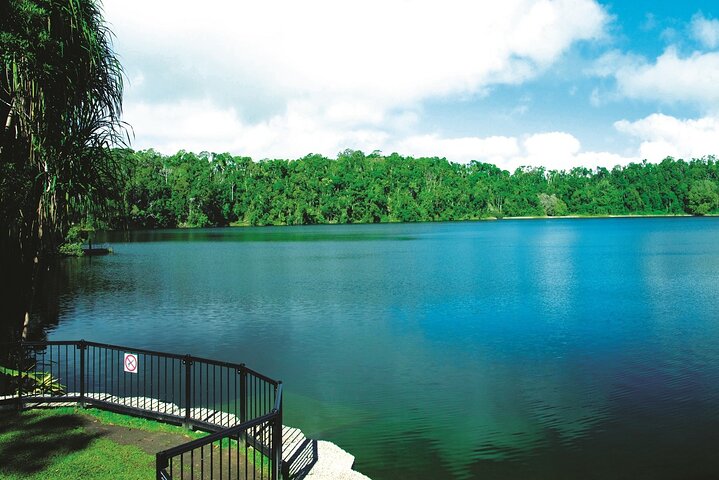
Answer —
512 349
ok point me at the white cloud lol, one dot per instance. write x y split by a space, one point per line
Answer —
692 79
203 125
496 150
304 129
664 135
188 125
552 150
324 71
705 30
395 51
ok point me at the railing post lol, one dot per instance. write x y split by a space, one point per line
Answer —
160 465
243 393
188 389
82 346
20 356
277 440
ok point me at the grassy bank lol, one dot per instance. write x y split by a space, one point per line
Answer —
82 444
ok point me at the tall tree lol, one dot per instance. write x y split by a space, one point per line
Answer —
60 105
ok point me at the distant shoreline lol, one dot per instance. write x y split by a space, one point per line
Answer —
655 215
484 219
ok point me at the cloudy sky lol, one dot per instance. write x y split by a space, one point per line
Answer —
557 83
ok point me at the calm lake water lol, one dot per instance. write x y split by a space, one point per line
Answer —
543 349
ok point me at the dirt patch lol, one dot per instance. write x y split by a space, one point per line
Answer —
149 442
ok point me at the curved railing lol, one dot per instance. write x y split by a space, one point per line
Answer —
242 407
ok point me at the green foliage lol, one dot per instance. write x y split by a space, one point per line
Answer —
199 190
76 235
552 205
60 103
71 249
703 197
34 383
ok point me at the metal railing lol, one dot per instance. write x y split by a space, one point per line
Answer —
251 450
241 406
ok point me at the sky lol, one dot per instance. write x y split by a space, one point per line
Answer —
553 83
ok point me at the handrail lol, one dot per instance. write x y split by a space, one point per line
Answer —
101 345
219 363
213 437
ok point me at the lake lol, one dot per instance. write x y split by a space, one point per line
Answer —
514 349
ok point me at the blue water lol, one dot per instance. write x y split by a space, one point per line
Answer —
542 349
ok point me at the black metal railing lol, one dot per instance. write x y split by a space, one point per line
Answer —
251 450
242 406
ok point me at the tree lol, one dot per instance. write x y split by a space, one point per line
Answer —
703 197
60 105
552 205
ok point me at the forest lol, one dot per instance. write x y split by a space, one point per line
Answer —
207 189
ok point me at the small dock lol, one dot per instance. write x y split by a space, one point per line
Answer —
91 250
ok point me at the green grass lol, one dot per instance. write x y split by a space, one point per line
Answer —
66 443
54 444
111 418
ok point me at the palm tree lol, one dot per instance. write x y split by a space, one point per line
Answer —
60 105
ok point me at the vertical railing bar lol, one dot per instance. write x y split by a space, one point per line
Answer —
172 362
247 461
243 393
82 373
262 463
152 366
115 373
96 368
108 389
121 387
220 404
213 388
75 367
65 377
49 347
164 387
212 461
129 385
188 373
143 393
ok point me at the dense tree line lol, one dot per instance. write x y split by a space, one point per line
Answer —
207 189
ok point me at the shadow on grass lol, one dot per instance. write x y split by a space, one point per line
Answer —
30 440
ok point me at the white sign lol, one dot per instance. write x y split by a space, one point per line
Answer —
131 363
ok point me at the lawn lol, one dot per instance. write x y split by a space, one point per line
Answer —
76 443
